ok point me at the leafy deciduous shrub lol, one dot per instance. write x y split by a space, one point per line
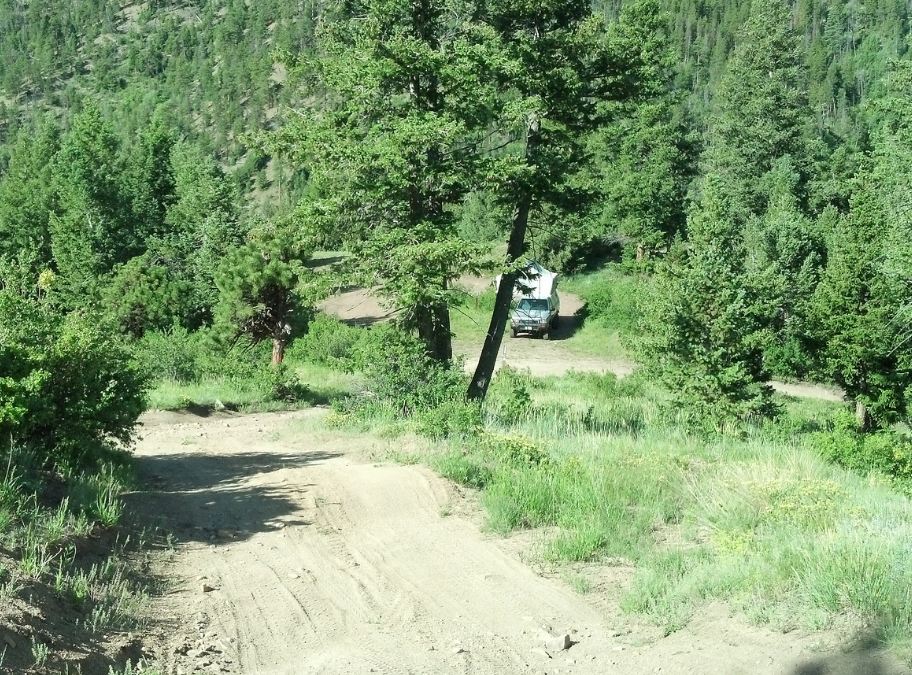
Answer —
329 342
402 376
885 451
66 385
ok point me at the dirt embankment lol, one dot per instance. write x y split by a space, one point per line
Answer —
297 553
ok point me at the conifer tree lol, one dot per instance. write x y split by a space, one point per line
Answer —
91 227
760 109
562 76
706 318
863 306
393 147
27 196
265 289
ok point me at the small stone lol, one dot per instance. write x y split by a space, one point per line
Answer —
562 642
207 588
218 405
294 576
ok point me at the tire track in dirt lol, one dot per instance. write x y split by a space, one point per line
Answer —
317 561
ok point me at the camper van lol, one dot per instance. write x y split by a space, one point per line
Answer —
536 304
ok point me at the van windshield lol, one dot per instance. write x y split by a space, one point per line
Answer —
532 305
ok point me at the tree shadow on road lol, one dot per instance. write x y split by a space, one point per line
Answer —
866 656
218 499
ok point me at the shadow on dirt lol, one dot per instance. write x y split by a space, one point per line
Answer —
867 656
566 328
221 498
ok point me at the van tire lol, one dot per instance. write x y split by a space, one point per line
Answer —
513 332
546 335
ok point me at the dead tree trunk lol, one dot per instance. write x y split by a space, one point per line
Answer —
516 248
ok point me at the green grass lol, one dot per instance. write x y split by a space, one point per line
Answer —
248 395
45 522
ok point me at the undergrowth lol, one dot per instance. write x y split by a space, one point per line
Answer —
764 518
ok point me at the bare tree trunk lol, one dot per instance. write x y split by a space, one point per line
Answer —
863 417
278 350
435 331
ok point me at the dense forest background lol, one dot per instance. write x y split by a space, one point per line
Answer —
150 153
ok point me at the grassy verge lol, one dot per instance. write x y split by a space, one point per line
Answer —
69 572
321 385
760 520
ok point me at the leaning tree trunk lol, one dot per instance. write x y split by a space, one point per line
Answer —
516 247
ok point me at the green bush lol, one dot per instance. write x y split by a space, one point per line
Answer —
514 450
67 385
455 418
884 451
402 376
509 399
329 342
171 355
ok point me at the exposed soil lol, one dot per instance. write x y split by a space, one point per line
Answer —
298 553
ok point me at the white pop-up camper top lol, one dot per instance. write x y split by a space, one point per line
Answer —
534 282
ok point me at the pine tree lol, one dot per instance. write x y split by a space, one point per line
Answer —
785 256
91 227
393 148
863 306
265 290
760 109
706 319
562 76
27 197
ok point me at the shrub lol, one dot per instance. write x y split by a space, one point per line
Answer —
451 419
329 342
514 450
171 355
508 398
884 451
68 385
402 376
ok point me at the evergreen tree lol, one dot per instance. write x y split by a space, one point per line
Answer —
27 197
706 318
863 306
562 76
91 227
785 255
760 110
266 291
644 167
393 148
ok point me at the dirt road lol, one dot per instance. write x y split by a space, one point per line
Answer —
542 358
297 552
